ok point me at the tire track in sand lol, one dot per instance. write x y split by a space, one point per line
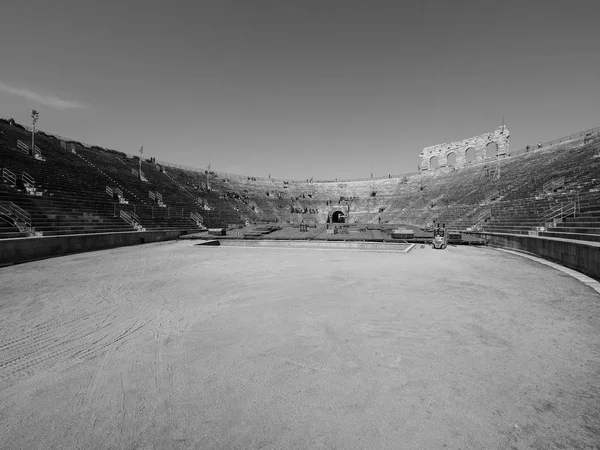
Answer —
129 408
282 382
315 367
98 395
51 350
12 338
109 374
169 334
162 382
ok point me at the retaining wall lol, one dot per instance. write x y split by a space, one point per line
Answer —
27 249
356 245
582 256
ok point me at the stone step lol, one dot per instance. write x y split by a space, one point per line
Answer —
577 236
65 232
575 230
12 235
579 223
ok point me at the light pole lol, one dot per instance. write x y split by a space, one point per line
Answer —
141 152
34 117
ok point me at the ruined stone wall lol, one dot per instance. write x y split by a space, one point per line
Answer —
501 137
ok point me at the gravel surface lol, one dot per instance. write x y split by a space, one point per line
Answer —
177 346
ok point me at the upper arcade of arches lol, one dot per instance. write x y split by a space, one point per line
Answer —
499 137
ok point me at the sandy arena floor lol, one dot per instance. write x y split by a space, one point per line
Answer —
172 346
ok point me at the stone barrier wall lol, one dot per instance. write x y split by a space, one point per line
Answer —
28 249
577 255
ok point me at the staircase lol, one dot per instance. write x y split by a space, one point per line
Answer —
16 216
580 225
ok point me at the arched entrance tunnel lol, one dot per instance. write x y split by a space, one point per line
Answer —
338 217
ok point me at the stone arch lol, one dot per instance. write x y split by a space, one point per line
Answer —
463 149
338 217
491 150
434 162
470 154
451 159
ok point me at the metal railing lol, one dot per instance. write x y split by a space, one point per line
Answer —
152 195
559 212
582 134
126 216
22 146
196 218
119 192
5 213
21 218
585 135
131 218
135 219
22 215
480 218
8 177
27 179
110 191
553 184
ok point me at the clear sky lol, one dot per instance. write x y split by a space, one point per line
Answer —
323 88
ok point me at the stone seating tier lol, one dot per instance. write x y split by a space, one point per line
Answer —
74 193
458 198
119 169
416 192
8 231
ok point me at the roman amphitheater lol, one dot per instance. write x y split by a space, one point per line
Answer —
266 313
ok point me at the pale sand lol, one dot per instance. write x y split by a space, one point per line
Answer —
172 346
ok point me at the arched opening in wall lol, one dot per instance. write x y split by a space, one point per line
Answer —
451 159
338 217
491 150
470 154
434 162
